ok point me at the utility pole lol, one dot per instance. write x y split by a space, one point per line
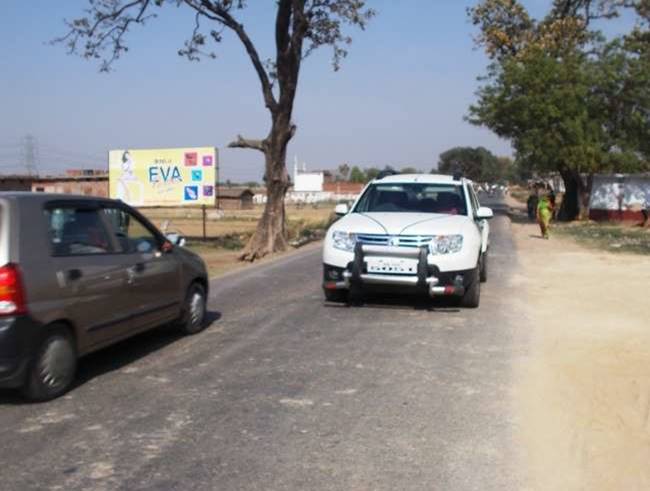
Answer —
30 154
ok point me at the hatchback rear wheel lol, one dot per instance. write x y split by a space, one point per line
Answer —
53 369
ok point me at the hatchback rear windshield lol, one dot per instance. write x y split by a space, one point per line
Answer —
413 197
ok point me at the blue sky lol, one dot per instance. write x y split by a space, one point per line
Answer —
399 98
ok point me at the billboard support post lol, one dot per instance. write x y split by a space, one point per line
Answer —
203 213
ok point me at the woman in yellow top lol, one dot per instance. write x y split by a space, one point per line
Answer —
544 214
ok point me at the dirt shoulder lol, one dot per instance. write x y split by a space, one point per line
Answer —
583 390
221 262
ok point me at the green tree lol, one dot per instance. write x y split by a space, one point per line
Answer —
300 27
343 172
357 175
568 101
508 170
409 170
478 164
372 173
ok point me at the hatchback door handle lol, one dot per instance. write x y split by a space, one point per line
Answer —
74 274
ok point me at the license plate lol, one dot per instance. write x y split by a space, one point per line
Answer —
387 265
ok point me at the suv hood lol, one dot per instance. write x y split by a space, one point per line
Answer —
392 223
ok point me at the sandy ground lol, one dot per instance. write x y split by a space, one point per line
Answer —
583 391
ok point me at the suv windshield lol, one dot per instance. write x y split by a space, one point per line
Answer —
416 197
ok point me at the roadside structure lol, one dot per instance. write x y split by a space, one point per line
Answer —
343 190
16 183
90 183
319 186
616 197
235 198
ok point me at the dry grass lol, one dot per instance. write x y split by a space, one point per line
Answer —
614 237
188 221
228 231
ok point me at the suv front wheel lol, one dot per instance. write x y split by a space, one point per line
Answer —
338 296
472 295
484 267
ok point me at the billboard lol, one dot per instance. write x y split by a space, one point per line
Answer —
163 176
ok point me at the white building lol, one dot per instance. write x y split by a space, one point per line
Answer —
304 181
307 186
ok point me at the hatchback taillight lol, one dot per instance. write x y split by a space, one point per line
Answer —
12 295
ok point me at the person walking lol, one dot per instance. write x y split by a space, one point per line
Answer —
532 202
544 214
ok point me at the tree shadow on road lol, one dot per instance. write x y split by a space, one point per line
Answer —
118 356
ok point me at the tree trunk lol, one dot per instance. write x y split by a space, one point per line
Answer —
575 203
270 235
290 30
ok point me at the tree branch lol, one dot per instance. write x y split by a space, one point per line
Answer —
241 142
282 24
220 12
111 23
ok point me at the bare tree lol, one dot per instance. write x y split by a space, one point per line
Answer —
301 26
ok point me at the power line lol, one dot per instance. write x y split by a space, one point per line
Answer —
30 154
51 149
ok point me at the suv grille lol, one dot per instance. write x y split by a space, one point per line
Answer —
403 240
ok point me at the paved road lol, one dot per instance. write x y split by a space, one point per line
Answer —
284 391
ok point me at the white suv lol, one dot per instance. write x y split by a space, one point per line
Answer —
410 231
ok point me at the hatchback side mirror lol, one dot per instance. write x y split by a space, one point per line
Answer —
484 213
341 209
175 239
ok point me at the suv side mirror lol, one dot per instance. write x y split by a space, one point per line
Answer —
341 209
484 213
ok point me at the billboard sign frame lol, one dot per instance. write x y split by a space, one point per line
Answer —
183 176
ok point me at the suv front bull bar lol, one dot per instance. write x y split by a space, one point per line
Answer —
357 275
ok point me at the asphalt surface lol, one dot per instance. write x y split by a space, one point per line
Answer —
286 391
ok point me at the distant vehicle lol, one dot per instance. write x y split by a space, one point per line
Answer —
418 232
78 274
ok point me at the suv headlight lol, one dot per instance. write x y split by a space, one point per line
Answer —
344 241
445 244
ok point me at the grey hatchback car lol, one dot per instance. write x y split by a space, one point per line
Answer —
78 274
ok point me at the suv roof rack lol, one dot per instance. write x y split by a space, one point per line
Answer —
457 175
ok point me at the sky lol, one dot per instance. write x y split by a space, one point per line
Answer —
399 98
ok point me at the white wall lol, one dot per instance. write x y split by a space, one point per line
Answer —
308 181
619 192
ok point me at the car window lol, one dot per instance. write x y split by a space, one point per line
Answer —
131 234
76 231
413 197
474 199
